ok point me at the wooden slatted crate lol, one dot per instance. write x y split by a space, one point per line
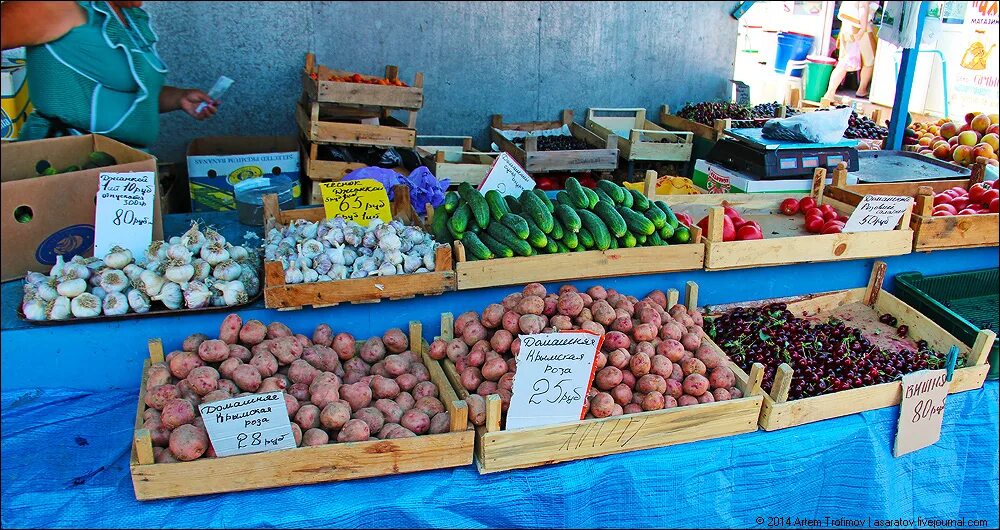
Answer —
302 465
323 90
327 124
780 413
930 232
458 163
643 139
498 449
603 156
785 238
282 296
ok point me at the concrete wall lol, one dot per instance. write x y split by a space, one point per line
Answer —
525 60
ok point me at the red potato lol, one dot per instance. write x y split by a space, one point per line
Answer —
707 397
193 341
515 347
603 405
511 300
273 384
721 394
456 348
343 345
372 351
477 409
650 316
631 408
686 400
325 377
158 396
149 414
671 349
584 316
390 410
277 330
476 358
685 321
608 378
658 297
429 405
494 369
438 350
357 365
653 401
461 364
677 310
677 374
354 431
628 378
463 320
203 379
416 421
722 377
406 382
229 366
567 288
506 381
323 335
614 340
486 388
735 393
265 363
315 436
292 404
177 412
691 341
395 340
531 305
297 434
301 371
622 394
188 443
529 324
669 402
157 374
492 316
163 456
229 386
603 313
303 340
425 389
247 378
237 351
285 349
707 355
471 378
619 358
307 417
597 292
481 346
614 297
570 304
587 300
693 366
501 341
182 364
660 365
387 430
534 289
640 364
651 383
551 305
600 361
622 324
299 391
335 415
511 322
372 417
593 327
262 346
695 385
697 317
672 331
396 365
505 396
253 332
440 423
673 387
402 432
359 395
625 306
384 388
637 397
229 331
159 435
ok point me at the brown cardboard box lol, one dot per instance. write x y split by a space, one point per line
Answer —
217 163
61 206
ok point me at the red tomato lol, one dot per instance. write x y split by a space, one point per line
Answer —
988 197
959 202
753 224
967 211
941 198
842 218
827 208
588 182
728 229
806 203
959 190
948 208
832 227
814 225
685 218
789 206
830 216
732 213
811 218
748 232
995 206
976 192
546 183
941 213
813 212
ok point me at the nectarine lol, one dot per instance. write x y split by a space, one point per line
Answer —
969 138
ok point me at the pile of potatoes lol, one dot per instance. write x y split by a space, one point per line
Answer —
652 357
334 391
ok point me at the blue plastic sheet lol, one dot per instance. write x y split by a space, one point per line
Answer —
65 464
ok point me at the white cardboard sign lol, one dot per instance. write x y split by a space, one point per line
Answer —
921 410
124 213
554 371
249 424
877 213
507 177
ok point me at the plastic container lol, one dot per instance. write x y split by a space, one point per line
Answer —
791 47
962 303
816 78
250 193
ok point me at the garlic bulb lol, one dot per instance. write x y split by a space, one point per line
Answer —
34 309
57 269
118 257
212 236
114 281
202 269
309 275
387 269
157 251
71 288
238 253
214 253
311 248
428 260
233 292
76 270
138 301
171 295
339 272
151 282
411 263
99 292
193 239
57 309
175 240
34 278
85 305
179 252
94 264
197 295
227 270
308 230
133 271
115 303
178 272
293 273
47 290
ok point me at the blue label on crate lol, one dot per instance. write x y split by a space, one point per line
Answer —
70 241
788 163
810 161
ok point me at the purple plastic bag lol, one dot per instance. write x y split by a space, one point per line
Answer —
424 187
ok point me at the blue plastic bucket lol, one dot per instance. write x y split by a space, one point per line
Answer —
791 47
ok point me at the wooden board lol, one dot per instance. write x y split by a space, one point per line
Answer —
302 465
779 413
457 163
785 238
389 133
361 94
577 265
645 140
604 156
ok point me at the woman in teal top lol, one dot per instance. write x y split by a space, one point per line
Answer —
92 67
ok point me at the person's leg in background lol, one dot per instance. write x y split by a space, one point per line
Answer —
867 64
836 78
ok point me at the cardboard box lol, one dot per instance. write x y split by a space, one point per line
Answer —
216 163
60 207
719 179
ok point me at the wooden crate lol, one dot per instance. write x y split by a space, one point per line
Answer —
361 94
458 163
785 238
302 465
282 296
644 140
320 127
930 233
603 157
498 449
779 413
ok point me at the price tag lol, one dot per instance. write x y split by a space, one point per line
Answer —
554 371
124 213
921 410
356 200
507 177
249 424
877 213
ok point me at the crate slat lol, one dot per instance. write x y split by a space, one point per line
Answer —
603 157
361 94
390 133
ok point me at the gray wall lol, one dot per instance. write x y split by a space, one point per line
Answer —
525 60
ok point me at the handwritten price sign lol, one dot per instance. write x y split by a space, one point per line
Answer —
877 213
356 200
554 371
507 177
921 410
249 424
124 214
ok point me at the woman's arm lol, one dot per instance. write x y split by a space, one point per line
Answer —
34 23
187 99
865 15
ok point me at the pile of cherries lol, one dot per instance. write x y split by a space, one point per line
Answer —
826 357
556 143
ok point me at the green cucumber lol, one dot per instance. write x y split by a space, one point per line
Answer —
671 218
656 215
639 201
640 241
557 229
636 221
597 228
477 203
592 197
499 249
545 199
614 220
614 243
439 226
655 240
451 200
627 241
517 224
533 207
603 196
568 217
562 197
498 206
586 239
570 240
681 235
629 199
576 193
551 247
459 221
512 204
666 232
562 247
536 237
507 237
473 245
616 192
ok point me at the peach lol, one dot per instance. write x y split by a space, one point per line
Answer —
969 116
993 140
982 149
924 141
993 129
994 119
980 123
969 138
962 154
948 130
942 152
953 141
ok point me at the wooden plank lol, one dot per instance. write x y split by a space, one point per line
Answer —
633 146
602 157
357 290
782 382
670 121
801 249
673 296
391 133
875 283
572 160
330 170
956 231
691 295
924 328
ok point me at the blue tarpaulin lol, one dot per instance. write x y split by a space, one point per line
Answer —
66 464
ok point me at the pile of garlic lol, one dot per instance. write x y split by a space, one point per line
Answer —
335 249
195 270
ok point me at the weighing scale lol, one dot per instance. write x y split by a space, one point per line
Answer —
747 151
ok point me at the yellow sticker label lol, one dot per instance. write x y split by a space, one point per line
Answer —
356 200
246 172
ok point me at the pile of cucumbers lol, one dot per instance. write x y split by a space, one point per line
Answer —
580 219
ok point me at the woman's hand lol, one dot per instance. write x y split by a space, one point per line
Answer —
188 99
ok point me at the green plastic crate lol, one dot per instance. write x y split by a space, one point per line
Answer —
962 303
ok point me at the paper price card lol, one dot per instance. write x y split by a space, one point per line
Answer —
124 213
507 177
877 213
249 424
554 371
921 410
356 200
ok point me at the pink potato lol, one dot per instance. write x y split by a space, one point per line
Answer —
486 388
229 331
272 384
440 423
247 378
372 417
158 396
619 358
477 409
157 374
402 432
614 340
396 365
335 414
301 371
240 352
686 400
203 379
651 383
603 313
637 397
661 366
722 377
424 389
597 292
697 317
640 364
551 305
708 356
463 320
570 304
285 349
658 297
265 363
584 316
559 323
735 392
456 348
511 322
354 431
534 289
359 395
622 394
303 340
631 408
677 310
593 327
324 377
315 436
325 393
229 366
510 301
406 382
291 404
531 305
355 364
672 330
600 361
626 305
323 335
299 391
652 317
603 405
149 414
307 417
343 344
622 324
494 369
644 332
163 456
188 443
473 333
277 330
395 340
471 378
193 341
587 300
608 378
529 324
372 351
646 347
416 421
253 332
501 341
677 374
263 346
685 321
707 397
159 435
674 388
628 378
182 364
388 429
506 381
568 288
669 402
693 366
390 410
653 401
229 386
297 434
476 357
384 388
515 347
405 400
671 349
695 385
429 405
438 350
492 316
691 341
721 394
177 412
